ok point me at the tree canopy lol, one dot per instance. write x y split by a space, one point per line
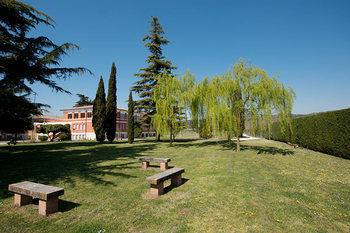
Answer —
111 106
168 94
26 60
54 129
83 101
99 112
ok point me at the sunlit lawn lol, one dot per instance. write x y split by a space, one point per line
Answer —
267 187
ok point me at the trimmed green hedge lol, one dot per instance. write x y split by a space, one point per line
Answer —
327 132
43 138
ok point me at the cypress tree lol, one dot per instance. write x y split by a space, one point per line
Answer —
130 119
99 112
111 108
145 87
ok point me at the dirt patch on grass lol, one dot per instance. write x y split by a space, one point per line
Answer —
184 211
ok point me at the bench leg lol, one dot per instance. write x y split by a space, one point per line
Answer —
21 199
48 207
163 166
176 180
145 165
157 189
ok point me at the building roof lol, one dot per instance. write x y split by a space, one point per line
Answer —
46 118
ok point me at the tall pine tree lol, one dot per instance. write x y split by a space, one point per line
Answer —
145 87
111 108
26 59
130 119
99 112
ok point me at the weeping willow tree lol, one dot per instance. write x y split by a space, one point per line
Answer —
168 95
198 102
247 90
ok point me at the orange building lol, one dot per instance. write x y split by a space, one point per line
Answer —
80 121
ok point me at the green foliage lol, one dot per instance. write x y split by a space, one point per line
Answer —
83 101
65 137
54 129
43 138
145 87
170 112
99 112
137 129
26 60
327 132
16 112
130 119
204 131
111 107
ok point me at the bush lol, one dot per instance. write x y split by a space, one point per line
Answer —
327 132
43 138
137 129
64 137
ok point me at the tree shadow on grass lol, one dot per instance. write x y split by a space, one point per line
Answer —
224 145
51 162
268 150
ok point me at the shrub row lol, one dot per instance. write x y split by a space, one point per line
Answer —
327 132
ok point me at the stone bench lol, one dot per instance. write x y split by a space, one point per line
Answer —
163 162
47 195
157 180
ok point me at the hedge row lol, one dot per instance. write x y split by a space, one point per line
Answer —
327 132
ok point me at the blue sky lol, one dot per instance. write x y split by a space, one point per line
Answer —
306 42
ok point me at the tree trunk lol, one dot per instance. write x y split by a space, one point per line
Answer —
53 136
238 131
171 136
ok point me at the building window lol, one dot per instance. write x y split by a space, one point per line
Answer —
83 126
82 115
70 116
89 114
75 115
73 126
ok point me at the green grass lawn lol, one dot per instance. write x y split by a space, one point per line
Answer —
267 187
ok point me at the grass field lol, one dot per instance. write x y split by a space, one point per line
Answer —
267 187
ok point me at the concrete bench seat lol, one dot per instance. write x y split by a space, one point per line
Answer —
157 181
47 195
163 162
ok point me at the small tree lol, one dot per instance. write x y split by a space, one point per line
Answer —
83 101
99 112
111 107
167 96
54 129
130 119
246 89
137 129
